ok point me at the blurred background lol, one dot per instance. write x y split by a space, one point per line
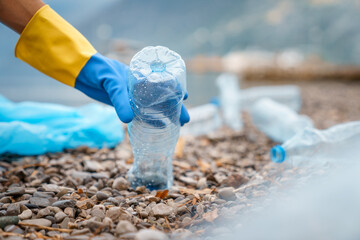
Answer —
283 40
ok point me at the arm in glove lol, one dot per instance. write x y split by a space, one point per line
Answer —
54 47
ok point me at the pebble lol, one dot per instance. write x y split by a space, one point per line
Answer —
114 213
44 212
13 229
44 194
93 166
25 214
201 184
51 188
64 204
41 202
13 209
8 220
15 191
85 204
227 193
93 225
60 216
101 196
120 184
162 210
186 220
124 227
39 221
150 234
70 212
97 213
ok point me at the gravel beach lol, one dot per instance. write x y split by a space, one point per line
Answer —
84 194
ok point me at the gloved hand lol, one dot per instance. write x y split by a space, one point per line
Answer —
54 47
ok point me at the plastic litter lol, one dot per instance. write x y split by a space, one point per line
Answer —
230 101
30 128
277 121
204 120
340 142
289 95
157 85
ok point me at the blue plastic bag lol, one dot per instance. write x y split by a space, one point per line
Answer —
30 128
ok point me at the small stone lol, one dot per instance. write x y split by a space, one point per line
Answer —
188 180
162 210
39 221
120 184
93 166
80 231
8 220
153 199
15 191
200 209
150 234
98 213
60 216
181 234
186 220
41 202
114 213
101 196
108 222
80 175
44 194
13 209
64 204
201 184
25 214
94 225
70 212
44 212
124 227
227 193
62 193
51 188
85 204
65 223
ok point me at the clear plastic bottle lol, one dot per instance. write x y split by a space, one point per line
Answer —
277 121
157 85
338 143
204 120
289 95
230 104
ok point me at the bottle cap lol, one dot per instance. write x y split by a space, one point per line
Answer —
277 154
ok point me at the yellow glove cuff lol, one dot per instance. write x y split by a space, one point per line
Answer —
53 46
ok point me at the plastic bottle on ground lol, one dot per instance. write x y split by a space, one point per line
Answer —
277 121
338 143
230 104
289 95
204 120
157 85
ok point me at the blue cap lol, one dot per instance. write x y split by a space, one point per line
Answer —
277 154
215 101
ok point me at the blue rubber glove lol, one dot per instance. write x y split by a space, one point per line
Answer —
105 80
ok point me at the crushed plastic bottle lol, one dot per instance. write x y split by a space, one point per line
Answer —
289 95
277 121
338 143
230 104
204 120
157 85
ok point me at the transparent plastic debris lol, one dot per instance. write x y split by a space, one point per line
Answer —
204 120
289 95
338 143
277 121
157 85
230 104
30 128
